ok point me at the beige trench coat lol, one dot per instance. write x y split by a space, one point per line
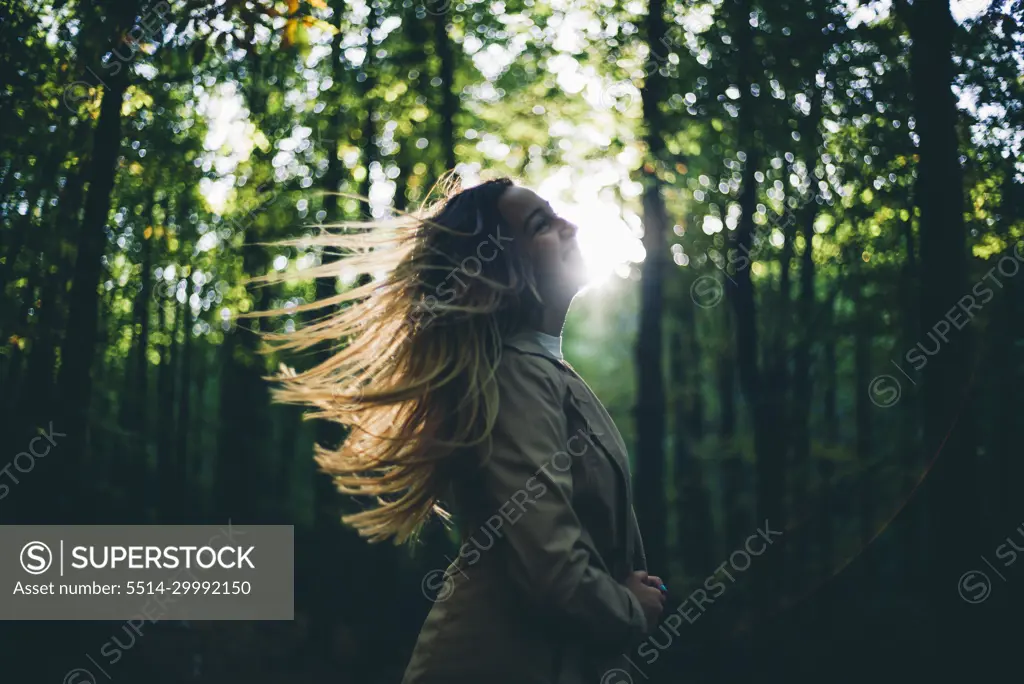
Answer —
535 595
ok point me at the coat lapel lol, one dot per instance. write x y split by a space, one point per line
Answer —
603 428
605 435
608 440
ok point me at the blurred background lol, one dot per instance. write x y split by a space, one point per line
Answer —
803 221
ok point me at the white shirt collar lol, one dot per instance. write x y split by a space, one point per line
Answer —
551 344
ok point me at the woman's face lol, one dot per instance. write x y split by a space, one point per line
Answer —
547 241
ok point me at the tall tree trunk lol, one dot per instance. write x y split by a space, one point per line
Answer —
776 363
244 402
695 525
405 163
181 456
327 503
368 139
801 413
166 468
39 385
1006 364
326 512
726 381
864 439
201 451
763 398
449 102
732 466
75 379
135 405
830 423
914 462
952 494
25 237
830 412
650 408
806 310
694 405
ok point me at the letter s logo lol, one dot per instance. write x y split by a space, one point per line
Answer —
36 558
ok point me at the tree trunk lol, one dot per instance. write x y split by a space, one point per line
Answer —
650 408
694 406
75 380
801 412
24 241
732 466
449 102
952 496
909 433
167 427
826 468
42 362
1006 366
862 334
135 400
913 460
182 468
368 139
763 398
695 525
326 513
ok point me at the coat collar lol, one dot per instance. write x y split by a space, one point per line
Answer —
525 342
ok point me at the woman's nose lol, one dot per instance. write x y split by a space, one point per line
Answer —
570 229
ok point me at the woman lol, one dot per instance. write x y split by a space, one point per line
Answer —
453 383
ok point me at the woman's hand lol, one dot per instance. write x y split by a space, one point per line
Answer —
656 582
651 598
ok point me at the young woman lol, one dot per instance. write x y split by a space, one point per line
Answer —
452 381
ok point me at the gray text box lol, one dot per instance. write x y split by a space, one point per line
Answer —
147 572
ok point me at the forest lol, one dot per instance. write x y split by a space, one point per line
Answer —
803 221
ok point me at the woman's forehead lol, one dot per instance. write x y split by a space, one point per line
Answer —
516 203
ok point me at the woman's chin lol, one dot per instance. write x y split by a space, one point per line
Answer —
577 270
580 280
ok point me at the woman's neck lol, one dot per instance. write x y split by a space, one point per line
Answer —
551 321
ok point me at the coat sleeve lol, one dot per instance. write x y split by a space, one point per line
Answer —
529 480
639 554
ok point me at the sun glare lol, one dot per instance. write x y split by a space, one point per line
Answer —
607 244
605 238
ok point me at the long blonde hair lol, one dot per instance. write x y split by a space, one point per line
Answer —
411 374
